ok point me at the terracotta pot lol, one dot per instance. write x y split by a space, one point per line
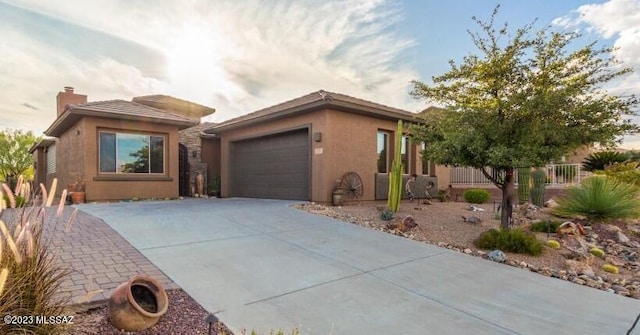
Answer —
137 304
78 197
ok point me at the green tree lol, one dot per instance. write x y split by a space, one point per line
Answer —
15 158
526 99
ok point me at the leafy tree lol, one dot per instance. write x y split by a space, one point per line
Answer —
15 158
526 99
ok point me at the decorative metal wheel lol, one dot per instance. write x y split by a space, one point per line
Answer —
351 185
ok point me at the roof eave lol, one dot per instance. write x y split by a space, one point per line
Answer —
71 116
314 106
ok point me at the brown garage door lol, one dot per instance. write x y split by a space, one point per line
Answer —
271 167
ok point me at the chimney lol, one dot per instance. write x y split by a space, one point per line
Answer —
69 98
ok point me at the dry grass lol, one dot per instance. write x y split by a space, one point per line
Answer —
30 278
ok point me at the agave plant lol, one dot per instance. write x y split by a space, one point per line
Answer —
600 160
600 198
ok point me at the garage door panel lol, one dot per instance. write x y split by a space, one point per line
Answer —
275 167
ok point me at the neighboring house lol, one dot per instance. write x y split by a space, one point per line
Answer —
122 149
299 148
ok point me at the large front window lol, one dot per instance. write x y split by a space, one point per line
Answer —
131 153
383 152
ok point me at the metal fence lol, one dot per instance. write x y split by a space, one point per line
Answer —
558 175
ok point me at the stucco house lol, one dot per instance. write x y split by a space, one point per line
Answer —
299 148
153 147
121 149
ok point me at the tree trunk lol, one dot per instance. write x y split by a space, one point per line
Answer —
507 199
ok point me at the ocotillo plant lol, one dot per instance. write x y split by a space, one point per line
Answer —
524 175
539 178
395 176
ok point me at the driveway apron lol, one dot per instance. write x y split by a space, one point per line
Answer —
260 264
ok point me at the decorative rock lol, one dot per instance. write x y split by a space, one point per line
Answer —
468 251
578 267
550 203
597 252
553 244
610 268
472 219
622 238
578 281
497 256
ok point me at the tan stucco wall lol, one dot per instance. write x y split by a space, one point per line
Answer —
77 151
211 156
348 144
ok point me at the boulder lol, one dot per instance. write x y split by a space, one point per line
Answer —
579 267
550 203
621 237
497 256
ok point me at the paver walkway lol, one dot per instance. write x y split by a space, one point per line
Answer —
261 264
100 259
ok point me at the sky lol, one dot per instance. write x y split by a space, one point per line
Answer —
239 56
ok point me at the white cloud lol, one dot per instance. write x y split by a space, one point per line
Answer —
618 20
236 56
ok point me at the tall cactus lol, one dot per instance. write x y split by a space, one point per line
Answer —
395 176
539 178
524 176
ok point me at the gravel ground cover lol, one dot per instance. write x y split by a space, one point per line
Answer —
442 224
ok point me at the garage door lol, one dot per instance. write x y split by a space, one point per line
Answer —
271 167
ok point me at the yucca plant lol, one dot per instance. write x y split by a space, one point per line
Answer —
600 160
395 176
30 277
600 198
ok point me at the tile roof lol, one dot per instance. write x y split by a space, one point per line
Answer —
180 106
314 101
117 109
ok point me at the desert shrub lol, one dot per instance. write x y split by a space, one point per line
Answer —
624 172
599 198
541 226
386 215
512 240
476 196
600 160
30 277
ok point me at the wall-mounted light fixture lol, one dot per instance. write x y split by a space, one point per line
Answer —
317 136
194 153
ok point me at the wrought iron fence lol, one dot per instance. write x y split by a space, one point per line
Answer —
558 175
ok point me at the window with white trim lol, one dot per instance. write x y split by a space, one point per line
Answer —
130 153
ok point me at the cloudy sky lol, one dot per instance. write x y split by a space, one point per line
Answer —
242 55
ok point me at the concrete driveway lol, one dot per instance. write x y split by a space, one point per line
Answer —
259 264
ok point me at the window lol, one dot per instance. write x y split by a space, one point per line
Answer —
383 152
51 159
131 153
404 154
426 163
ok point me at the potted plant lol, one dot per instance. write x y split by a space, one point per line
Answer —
77 189
214 187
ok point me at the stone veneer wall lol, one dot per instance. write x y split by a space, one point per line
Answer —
190 137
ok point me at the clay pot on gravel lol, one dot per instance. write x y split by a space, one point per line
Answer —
137 304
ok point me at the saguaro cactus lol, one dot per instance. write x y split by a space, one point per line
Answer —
524 176
395 176
539 178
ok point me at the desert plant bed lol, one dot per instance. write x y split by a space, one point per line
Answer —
442 224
